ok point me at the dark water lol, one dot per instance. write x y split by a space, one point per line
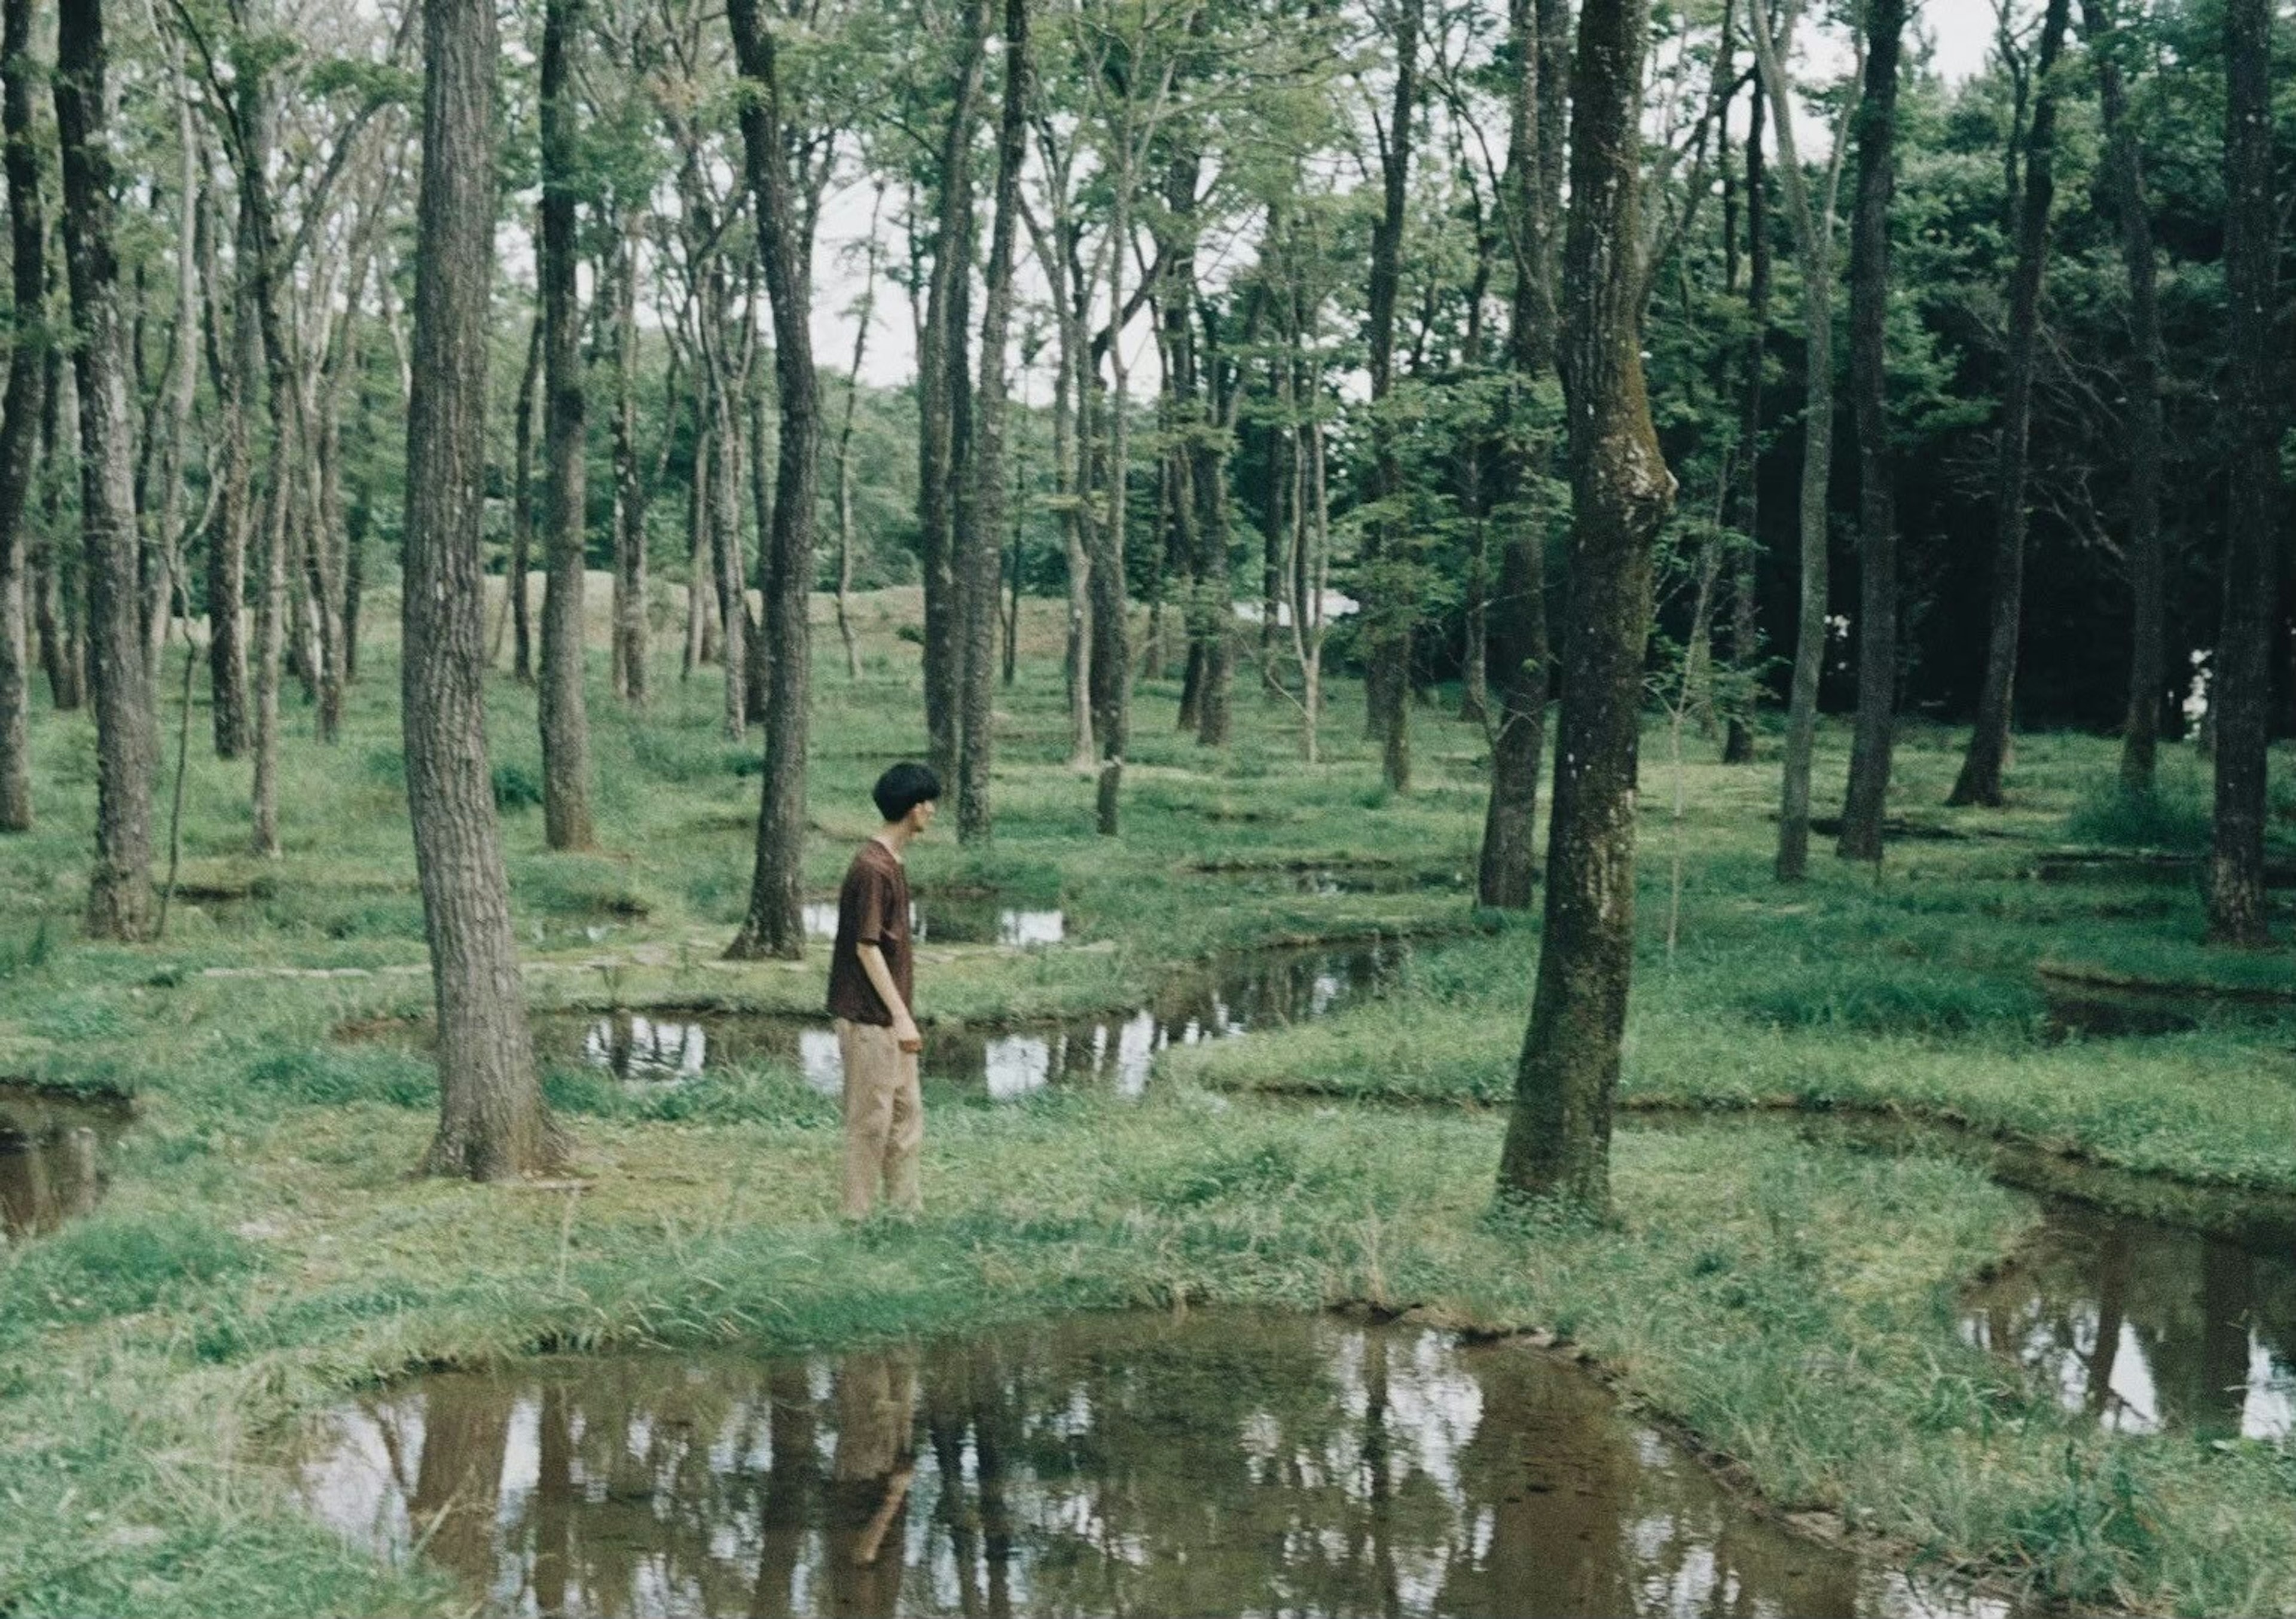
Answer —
2094 1007
962 919
1268 989
1228 1464
50 1158
2149 1327
1330 881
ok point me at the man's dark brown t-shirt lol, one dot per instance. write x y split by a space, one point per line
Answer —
872 908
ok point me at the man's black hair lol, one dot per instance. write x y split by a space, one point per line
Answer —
903 787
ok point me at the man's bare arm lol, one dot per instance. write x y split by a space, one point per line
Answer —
881 978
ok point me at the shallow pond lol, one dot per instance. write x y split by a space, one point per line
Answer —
2148 1327
1267 989
1227 1463
962 919
50 1158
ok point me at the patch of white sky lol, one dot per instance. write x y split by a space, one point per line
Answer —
1952 40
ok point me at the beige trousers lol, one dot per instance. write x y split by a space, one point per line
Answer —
884 1119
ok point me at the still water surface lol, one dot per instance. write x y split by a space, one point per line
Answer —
50 1158
1229 1463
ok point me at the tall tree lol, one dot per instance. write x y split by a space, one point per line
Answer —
492 1124
1813 230
631 492
1745 627
1982 766
20 410
1519 647
1869 391
229 472
519 564
2124 163
784 211
120 903
564 712
2240 693
983 531
1558 1139
1391 607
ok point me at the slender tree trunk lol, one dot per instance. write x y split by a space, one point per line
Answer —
120 887
755 644
631 494
698 577
20 411
1558 1140
228 469
1214 592
521 512
1112 630
1869 387
564 710
2240 698
1519 650
1988 758
2124 163
492 1124
1391 607
55 571
1745 628
775 923
271 541
863 315
984 533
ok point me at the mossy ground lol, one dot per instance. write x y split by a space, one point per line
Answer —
1789 1302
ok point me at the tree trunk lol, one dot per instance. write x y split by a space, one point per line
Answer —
863 315
1519 650
1389 589
1745 628
1869 387
984 533
1813 242
631 494
1111 628
775 924
492 1123
1982 766
700 578
1558 1139
2240 698
1215 589
564 711
119 904
20 411
2124 163
228 471
942 446
521 510
55 573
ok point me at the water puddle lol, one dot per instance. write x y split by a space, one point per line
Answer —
1269 989
1333 880
2090 1005
50 1158
1229 1463
962 919
2147 1328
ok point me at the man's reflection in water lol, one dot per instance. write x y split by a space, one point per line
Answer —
876 1400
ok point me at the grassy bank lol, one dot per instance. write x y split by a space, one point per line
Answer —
1788 1303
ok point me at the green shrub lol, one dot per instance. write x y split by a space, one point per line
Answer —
2169 817
516 788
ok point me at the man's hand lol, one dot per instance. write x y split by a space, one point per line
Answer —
905 1032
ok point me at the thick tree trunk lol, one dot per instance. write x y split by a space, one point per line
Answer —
983 534
1558 1139
2240 698
564 710
119 904
20 411
1869 389
521 510
943 447
492 1123
775 924
1982 766
631 495
1391 608
1745 628
1519 650
2124 163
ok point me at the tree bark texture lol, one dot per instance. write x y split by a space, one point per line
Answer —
20 410
983 534
631 493
1519 651
1868 794
1988 758
775 924
1745 627
492 1124
120 902
2124 163
1390 585
521 512
226 563
2240 696
564 711
1558 1139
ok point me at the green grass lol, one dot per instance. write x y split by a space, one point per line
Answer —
1788 1303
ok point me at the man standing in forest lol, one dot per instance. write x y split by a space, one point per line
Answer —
871 988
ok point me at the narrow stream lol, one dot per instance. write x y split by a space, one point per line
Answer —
1227 1463
50 1158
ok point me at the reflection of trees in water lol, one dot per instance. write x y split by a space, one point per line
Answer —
51 1167
1109 1464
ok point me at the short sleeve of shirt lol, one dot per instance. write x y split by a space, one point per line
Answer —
871 898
